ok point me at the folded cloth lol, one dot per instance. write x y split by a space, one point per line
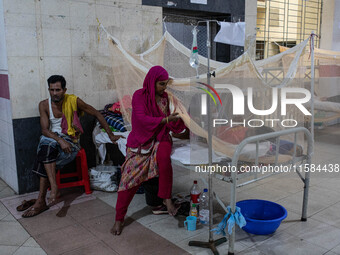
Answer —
116 121
101 138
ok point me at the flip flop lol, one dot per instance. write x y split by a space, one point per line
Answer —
35 212
161 209
25 205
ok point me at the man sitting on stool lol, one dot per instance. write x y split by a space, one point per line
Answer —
59 143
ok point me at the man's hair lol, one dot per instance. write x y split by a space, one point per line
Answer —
57 78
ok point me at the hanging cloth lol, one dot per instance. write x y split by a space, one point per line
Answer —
229 220
70 122
231 33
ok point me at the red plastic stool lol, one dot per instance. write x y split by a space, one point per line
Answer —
82 174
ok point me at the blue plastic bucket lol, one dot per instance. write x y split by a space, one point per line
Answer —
263 217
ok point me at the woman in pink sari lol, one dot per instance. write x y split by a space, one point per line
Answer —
149 144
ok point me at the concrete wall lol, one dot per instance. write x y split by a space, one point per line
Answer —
336 27
328 10
8 171
330 27
61 37
250 19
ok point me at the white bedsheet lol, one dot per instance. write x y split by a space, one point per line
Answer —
182 150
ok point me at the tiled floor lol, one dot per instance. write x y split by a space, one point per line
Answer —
81 224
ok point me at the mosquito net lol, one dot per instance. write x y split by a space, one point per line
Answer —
245 97
327 90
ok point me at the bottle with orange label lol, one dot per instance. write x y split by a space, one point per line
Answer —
193 210
195 193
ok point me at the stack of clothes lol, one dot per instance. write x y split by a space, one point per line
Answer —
114 117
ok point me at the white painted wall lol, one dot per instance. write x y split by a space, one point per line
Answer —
336 26
326 39
61 37
8 171
330 27
250 19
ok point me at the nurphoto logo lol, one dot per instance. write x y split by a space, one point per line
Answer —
238 105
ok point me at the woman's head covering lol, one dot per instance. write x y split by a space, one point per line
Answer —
146 115
156 73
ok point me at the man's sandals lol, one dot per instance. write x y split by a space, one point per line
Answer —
25 205
34 211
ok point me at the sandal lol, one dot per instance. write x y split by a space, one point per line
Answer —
161 209
25 205
34 211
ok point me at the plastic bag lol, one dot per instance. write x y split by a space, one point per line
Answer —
105 178
194 62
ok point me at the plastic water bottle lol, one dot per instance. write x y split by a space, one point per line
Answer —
204 207
193 210
195 193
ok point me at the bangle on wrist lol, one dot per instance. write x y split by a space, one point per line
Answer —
167 119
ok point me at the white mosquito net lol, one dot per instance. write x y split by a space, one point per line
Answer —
327 80
262 81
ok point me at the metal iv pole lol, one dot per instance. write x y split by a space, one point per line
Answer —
211 244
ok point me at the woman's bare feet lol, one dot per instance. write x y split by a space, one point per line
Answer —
117 228
172 208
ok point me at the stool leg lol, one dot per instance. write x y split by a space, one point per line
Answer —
79 166
85 173
57 177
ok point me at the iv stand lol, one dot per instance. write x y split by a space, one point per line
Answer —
211 244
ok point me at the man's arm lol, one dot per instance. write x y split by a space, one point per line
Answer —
90 110
45 127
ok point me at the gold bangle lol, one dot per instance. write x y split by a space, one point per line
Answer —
167 119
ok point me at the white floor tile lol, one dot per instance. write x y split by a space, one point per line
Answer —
173 230
31 243
316 232
336 250
15 234
8 250
285 244
330 215
29 251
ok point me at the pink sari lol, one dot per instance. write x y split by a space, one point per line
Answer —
146 128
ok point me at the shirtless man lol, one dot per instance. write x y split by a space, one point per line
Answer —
58 145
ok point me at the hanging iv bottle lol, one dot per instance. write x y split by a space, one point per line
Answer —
194 63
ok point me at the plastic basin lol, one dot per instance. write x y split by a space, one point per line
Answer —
263 217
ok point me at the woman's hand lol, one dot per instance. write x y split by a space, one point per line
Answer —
171 117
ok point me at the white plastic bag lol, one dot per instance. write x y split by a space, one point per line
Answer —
104 178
